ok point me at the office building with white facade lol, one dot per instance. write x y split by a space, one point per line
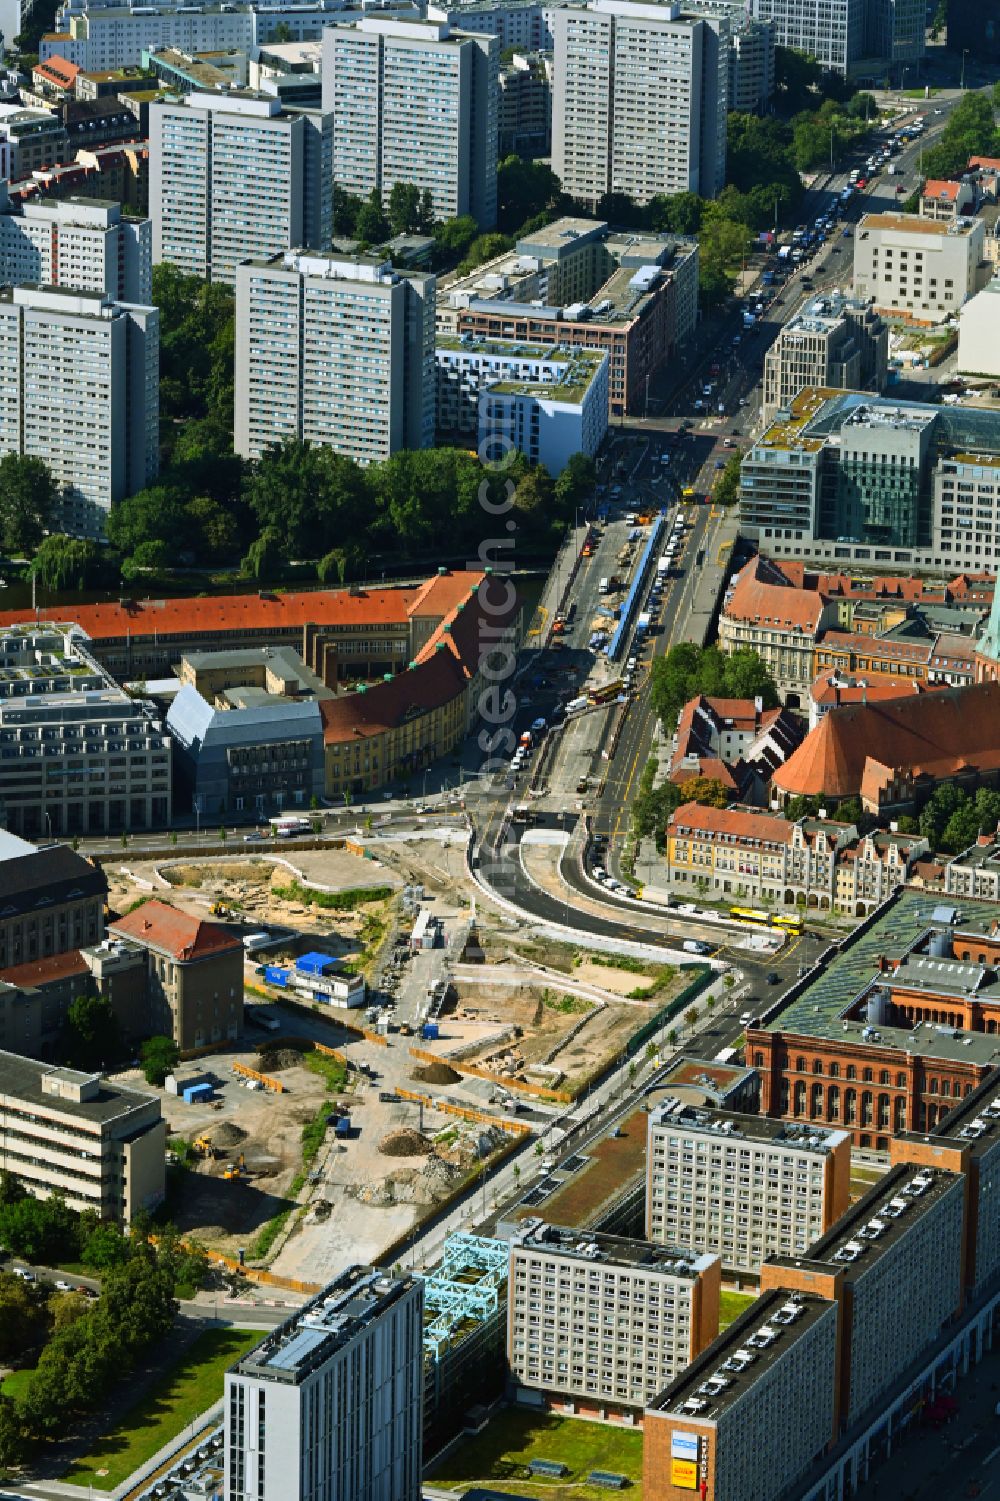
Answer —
415 102
742 1186
79 388
98 1143
979 332
639 99
99 38
78 755
82 243
833 341
855 38
600 1320
336 350
918 268
235 175
852 478
330 1403
546 402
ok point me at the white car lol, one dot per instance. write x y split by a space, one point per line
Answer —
62 1286
24 1274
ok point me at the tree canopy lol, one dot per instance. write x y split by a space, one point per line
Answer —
970 131
688 670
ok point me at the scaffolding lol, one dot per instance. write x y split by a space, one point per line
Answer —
465 1307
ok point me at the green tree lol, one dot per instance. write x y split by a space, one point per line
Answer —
851 811
678 213
265 557
346 208
28 496
39 1230
576 483
152 516
311 497
453 238
962 828
723 247
524 191
425 223
727 487
159 1056
62 563
371 225
745 674
652 809
197 336
22 1317
708 791
212 529
485 248
970 131
404 208
91 1036
104 1247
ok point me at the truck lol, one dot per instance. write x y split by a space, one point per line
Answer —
784 254
663 565
288 827
643 622
254 941
604 587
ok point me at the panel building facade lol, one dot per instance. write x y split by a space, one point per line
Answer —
415 102
602 1321
85 244
741 1186
639 100
335 350
235 175
80 389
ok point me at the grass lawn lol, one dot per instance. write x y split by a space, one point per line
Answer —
497 1457
14 1385
731 1305
175 1400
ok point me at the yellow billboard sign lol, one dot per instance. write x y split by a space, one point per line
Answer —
684 1474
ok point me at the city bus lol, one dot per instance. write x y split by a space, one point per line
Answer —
607 693
787 922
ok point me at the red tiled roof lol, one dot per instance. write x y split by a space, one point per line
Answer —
58 70
987 163
158 925
733 822
933 734
708 766
762 595
229 613
45 971
938 187
859 691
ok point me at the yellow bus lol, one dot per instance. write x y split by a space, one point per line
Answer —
789 923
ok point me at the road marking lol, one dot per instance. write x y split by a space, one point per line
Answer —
989 1458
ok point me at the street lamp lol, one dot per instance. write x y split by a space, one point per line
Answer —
965 53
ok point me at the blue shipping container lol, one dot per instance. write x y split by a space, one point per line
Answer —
430 1032
275 975
198 1092
315 964
343 1126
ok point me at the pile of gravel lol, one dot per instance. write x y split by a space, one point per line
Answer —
404 1143
437 1073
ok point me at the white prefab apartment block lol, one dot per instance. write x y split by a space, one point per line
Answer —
234 175
604 1319
546 402
639 100
83 243
922 269
329 1406
335 350
98 1143
80 388
415 102
742 1186
979 332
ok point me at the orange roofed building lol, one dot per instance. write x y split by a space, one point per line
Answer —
194 976
892 755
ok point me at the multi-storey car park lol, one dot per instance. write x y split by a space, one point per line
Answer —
741 1186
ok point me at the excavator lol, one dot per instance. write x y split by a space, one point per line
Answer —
202 1145
236 1170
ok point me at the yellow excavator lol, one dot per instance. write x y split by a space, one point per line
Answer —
204 1146
237 1169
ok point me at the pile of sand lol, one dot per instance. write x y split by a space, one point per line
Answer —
226 1135
272 1060
404 1143
436 1073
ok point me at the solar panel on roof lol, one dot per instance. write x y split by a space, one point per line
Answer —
301 1345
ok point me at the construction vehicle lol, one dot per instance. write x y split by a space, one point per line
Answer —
237 1169
219 909
204 1146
